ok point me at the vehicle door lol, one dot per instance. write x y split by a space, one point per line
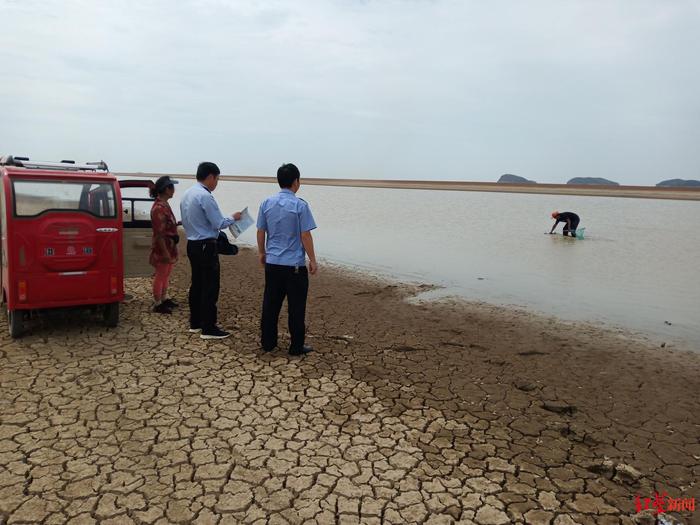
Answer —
136 216
65 239
3 238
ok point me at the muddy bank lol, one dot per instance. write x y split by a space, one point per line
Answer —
405 413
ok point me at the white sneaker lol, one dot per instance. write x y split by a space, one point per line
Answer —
194 330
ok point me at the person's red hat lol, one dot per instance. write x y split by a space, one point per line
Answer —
555 214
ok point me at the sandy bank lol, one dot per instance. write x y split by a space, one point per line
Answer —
405 413
639 192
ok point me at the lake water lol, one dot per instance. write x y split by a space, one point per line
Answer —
637 267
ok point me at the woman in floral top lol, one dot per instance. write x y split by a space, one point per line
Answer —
164 245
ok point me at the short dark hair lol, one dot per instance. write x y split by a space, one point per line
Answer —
287 174
207 168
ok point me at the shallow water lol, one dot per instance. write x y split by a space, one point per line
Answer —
637 267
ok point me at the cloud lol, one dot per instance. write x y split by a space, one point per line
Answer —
440 89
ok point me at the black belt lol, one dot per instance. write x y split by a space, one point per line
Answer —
203 241
284 267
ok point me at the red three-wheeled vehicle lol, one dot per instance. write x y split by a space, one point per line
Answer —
69 238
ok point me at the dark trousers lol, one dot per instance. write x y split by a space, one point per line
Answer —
571 231
291 282
204 290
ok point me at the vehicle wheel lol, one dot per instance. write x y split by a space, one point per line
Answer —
111 314
15 321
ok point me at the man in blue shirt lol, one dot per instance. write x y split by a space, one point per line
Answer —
203 220
284 238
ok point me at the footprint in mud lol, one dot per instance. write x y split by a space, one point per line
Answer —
406 349
559 407
525 386
463 345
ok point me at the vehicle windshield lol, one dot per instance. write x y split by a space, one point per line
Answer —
34 197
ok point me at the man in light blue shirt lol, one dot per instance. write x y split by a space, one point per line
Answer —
203 220
284 239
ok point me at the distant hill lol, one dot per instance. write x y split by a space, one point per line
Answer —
515 179
592 180
680 183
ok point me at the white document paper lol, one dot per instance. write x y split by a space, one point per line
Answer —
241 225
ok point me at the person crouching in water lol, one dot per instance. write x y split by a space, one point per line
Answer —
570 220
164 244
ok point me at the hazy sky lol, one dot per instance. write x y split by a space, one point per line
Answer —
418 89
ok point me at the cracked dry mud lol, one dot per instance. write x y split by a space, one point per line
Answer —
404 414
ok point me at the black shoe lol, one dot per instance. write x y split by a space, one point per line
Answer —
162 309
215 333
170 303
268 348
302 351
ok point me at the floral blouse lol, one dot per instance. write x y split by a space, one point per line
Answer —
165 227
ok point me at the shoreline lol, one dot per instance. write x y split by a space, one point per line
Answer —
637 192
426 292
403 412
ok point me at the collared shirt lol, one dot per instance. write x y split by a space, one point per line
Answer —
285 217
201 216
